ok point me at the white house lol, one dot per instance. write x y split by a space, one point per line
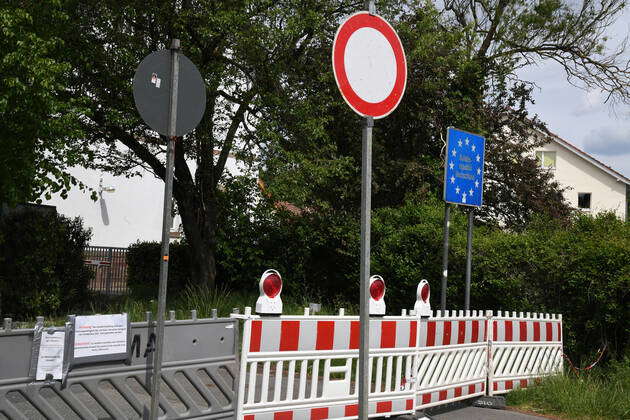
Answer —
591 186
127 209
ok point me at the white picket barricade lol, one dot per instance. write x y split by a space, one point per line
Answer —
452 356
524 348
306 367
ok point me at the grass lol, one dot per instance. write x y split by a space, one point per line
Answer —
603 393
201 299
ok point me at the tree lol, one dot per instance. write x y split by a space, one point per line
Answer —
462 72
39 134
243 50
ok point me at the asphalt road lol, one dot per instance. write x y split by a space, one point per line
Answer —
478 413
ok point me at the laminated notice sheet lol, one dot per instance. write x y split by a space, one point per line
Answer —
101 337
50 358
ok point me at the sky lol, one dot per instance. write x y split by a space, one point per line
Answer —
580 116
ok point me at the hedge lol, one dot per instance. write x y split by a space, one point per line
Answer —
143 268
41 264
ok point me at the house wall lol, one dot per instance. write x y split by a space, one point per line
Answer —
132 212
581 176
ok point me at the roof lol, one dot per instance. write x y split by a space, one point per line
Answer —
610 171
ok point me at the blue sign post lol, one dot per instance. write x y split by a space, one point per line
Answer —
463 174
463 184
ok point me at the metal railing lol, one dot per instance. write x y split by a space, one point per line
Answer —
109 265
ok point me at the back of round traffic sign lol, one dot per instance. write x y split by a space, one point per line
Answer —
369 65
152 93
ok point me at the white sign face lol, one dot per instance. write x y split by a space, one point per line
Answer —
50 359
97 335
369 65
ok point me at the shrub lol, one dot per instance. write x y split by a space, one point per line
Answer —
42 270
143 268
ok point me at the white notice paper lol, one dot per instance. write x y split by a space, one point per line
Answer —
50 359
97 335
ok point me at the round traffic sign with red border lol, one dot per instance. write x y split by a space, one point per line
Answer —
369 65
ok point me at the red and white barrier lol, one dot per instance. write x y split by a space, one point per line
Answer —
306 367
524 347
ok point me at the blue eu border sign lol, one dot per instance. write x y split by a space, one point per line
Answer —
463 175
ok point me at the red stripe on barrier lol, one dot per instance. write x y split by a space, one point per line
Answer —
549 331
495 329
475 332
351 410
325 335
388 334
495 386
283 415
508 331
289 335
384 407
559 331
413 331
483 386
461 332
446 335
485 330
458 391
523 383
536 331
471 389
248 417
319 413
523 330
354 334
509 384
409 404
426 398
254 342
430 333
442 395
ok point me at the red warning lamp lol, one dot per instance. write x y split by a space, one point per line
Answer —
423 296
424 292
272 285
377 292
269 301
377 289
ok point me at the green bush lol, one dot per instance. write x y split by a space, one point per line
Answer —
581 270
143 268
42 270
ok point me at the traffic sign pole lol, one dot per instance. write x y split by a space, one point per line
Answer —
370 69
366 209
167 218
447 225
469 258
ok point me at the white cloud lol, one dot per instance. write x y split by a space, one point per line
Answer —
608 141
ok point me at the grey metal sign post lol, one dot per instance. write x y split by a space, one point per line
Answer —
447 225
372 82
468 258
364 295
170 96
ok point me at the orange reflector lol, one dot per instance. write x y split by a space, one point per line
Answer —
165 258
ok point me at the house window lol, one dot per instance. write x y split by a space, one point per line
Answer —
584 200
546 159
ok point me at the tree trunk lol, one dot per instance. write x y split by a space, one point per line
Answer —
200 230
